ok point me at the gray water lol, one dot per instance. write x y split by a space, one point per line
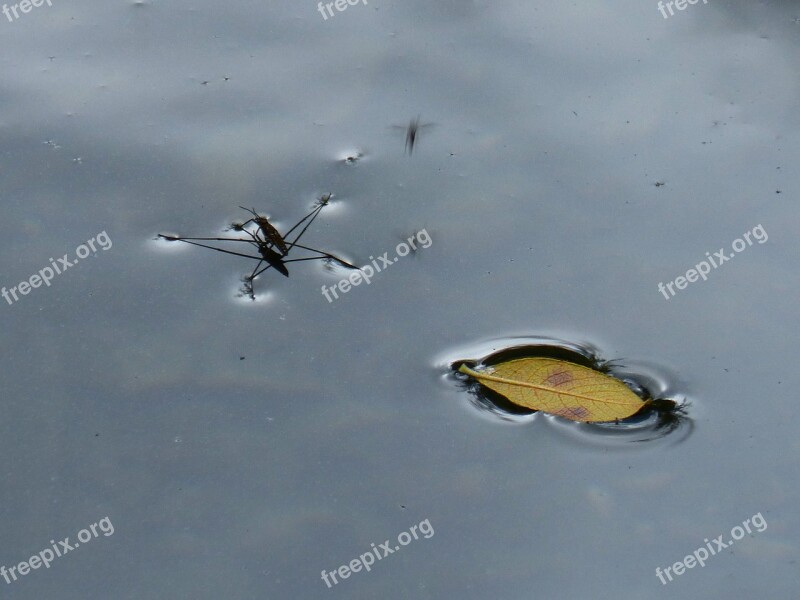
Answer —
239 448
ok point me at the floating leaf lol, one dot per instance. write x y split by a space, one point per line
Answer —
560 388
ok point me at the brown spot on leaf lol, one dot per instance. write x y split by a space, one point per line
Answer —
572 412
559 378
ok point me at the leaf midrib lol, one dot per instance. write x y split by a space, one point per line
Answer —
477 375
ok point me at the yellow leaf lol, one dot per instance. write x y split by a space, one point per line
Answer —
560 388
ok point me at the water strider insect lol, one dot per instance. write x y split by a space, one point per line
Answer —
412 130
272 248
411 135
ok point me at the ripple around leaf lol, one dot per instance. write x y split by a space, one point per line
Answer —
659 415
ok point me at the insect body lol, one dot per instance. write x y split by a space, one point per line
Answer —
271 234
